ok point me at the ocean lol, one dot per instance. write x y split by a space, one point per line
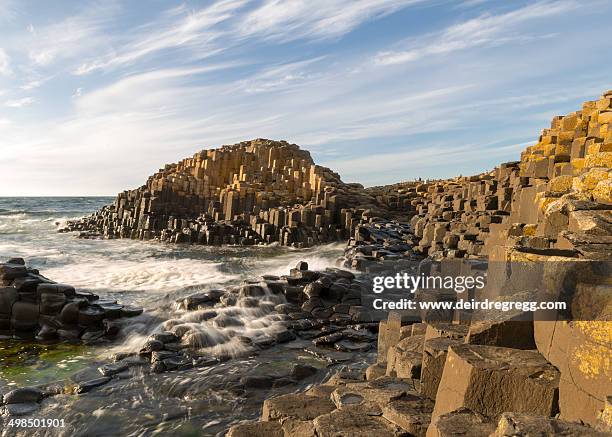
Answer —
148 274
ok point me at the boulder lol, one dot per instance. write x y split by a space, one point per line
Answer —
434 358
24 316
298 428
296 406
257 429
503 330
353 422
491 380
446 330
411 412
404 359
23 395
525 425
581 351
461 422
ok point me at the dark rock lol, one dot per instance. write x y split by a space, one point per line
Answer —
87 386
151 346
284 336
19 409
301 371
23 395
258 382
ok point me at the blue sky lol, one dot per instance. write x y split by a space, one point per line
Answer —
97 95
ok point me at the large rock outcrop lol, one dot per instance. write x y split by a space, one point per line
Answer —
33 306
258 191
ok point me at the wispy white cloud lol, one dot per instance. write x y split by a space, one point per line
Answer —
485 30
192 78
33 84
283 76
288 20
72 37
178 29
7 10
19 103
5 63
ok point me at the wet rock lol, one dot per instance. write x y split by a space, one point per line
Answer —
314 289
224 321
322 313
10 271
251 290
328 339
64 289
151 346
87 386
21 409
165 337
162 355
302 276
284 336
286 308
352 346
311 304
113 369
24 316
23 395
263 341
69 334
90 336
131 311
192 302
302 371
91 315
257 382
283 381
47 333
111 327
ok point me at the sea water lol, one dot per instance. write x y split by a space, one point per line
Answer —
152 275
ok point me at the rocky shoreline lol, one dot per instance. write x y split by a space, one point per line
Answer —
35 307
545 219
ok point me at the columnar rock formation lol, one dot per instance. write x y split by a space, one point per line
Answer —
257 191
32 305
544 222
558 196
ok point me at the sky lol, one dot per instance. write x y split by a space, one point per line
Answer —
97 95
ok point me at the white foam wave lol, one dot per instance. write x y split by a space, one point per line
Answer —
151 275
